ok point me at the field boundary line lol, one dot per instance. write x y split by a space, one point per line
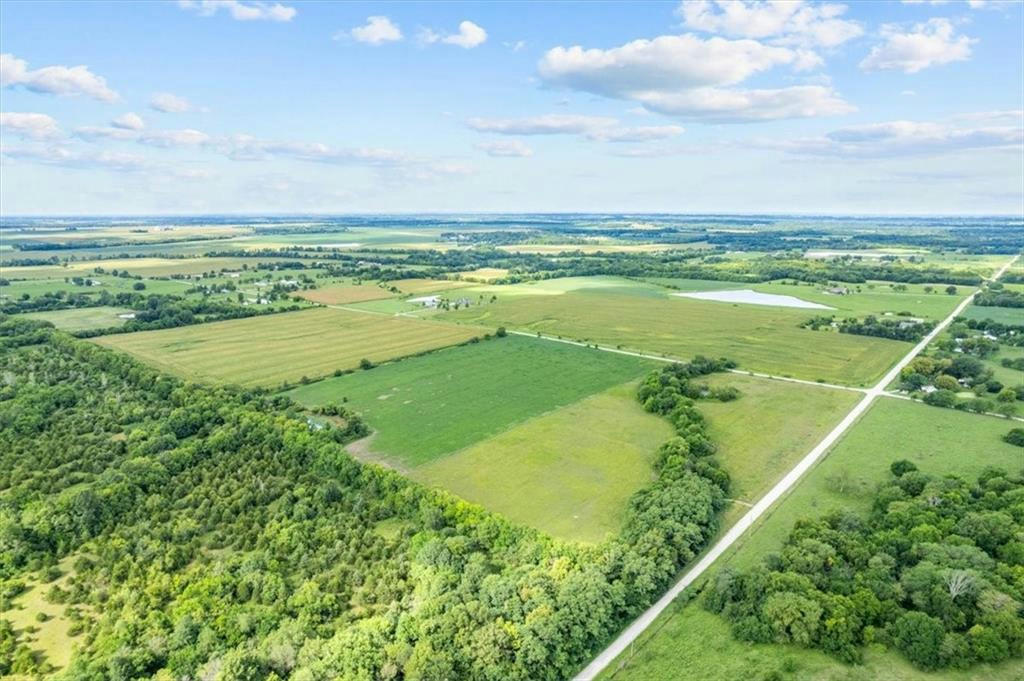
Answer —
660 358
1005 417
779 490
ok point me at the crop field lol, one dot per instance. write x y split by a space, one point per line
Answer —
346 293
484 274
83 318
272 349
760 338
424 407
694 643
417 286
569 472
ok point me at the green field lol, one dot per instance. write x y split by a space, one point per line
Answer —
271 349
764 433
696 644
427 406
569 472
1003 315
82 318
760 338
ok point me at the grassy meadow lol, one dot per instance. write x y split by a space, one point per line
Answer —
82 318
568 472
1003 315
688 642
768 429
271 349
427 406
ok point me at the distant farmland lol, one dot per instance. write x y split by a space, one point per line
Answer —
269 350
760 338
346 293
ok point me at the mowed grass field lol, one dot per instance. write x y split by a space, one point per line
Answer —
346 293
764 433
81 319
272 349
687 642
569 472
424 407
760 338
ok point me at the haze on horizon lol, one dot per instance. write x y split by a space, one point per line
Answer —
244 107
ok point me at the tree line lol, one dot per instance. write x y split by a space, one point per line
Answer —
933 572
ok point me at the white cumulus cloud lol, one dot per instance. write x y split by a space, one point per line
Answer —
783 21
931 43
505 148
688 76
65 81
168 103
241 11
128 121
376 31
470 35
903 138
35 126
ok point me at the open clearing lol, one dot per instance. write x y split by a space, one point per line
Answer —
83 318
569 472
269 350
749 297
696 644
760 338
346 293
428 406
764 433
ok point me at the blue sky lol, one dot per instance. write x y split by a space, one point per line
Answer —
243 106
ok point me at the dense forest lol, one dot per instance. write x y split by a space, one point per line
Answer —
216 533
935 571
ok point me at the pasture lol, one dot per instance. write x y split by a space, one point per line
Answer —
569 472
690 642
82 318
277 348
424 407
760 338
1003 315
771 427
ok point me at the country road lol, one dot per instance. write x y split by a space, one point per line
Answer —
630 634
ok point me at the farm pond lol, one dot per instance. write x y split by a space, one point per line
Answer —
754 298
